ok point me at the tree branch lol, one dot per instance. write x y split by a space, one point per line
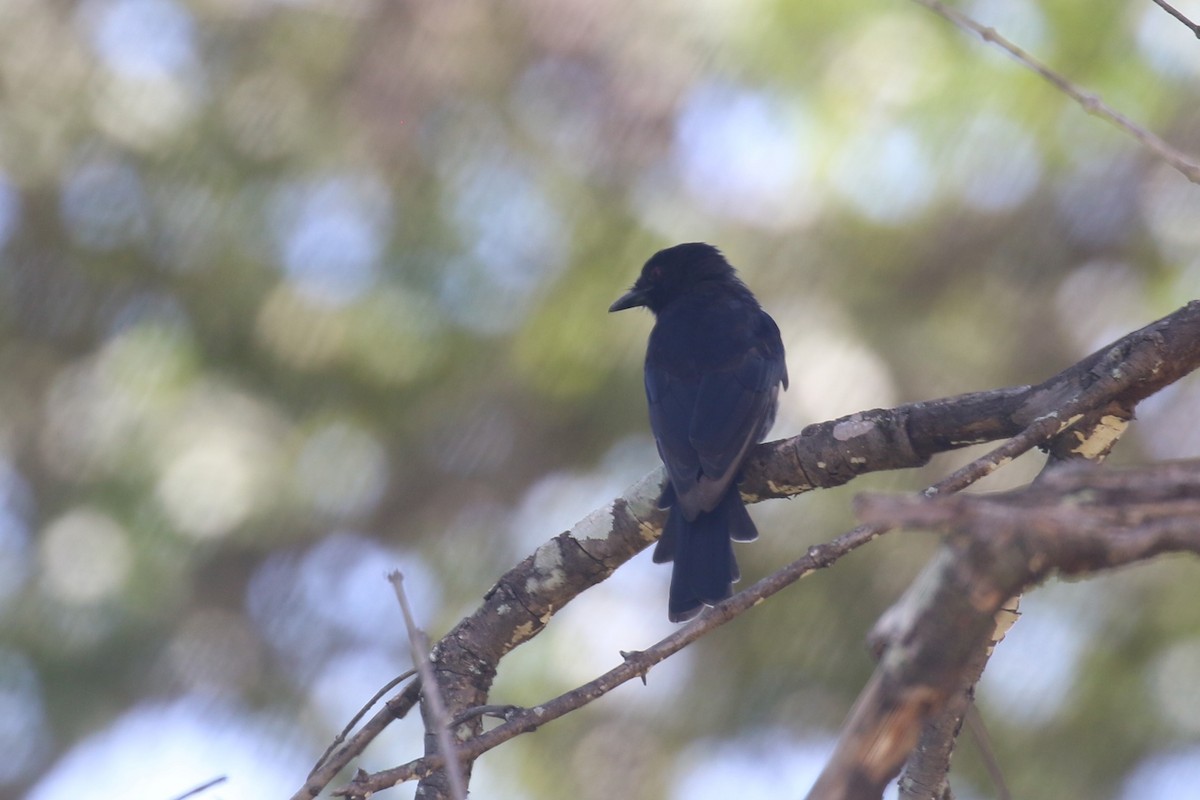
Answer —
341 737
437 721
204 787
334 760
1177 14
1076 521
525 598
1090 102
926 773
635 665
639 663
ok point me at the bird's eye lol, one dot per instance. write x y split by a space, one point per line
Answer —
656 273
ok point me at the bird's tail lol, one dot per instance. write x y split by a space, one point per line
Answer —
702 549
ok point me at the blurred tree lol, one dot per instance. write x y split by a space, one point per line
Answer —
292 294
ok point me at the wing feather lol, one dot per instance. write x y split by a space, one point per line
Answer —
708 414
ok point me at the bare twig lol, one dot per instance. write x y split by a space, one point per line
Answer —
1041 430
439 719
333 763
1174 12
201 788
504 712
974 721
341 737
1090 102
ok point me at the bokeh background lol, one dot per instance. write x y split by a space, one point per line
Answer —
296 293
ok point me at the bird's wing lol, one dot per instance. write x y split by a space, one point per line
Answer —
734 409
705 426
672 401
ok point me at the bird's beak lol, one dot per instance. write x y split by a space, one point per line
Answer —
632 299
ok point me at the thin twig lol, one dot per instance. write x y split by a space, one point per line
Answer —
503 712
987 753
1023 442
201 788
1090 102
394 709
431 691
1174 12
341 737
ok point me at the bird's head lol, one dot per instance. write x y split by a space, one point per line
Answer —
672 272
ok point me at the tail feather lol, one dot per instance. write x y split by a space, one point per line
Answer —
741 527
673 531
702 549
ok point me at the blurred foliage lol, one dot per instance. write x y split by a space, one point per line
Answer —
292 294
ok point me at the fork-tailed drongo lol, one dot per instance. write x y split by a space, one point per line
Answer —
714 366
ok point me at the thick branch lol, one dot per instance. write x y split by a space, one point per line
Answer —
1076 521
926 773
833 453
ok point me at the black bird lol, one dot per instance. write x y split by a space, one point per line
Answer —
714 365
